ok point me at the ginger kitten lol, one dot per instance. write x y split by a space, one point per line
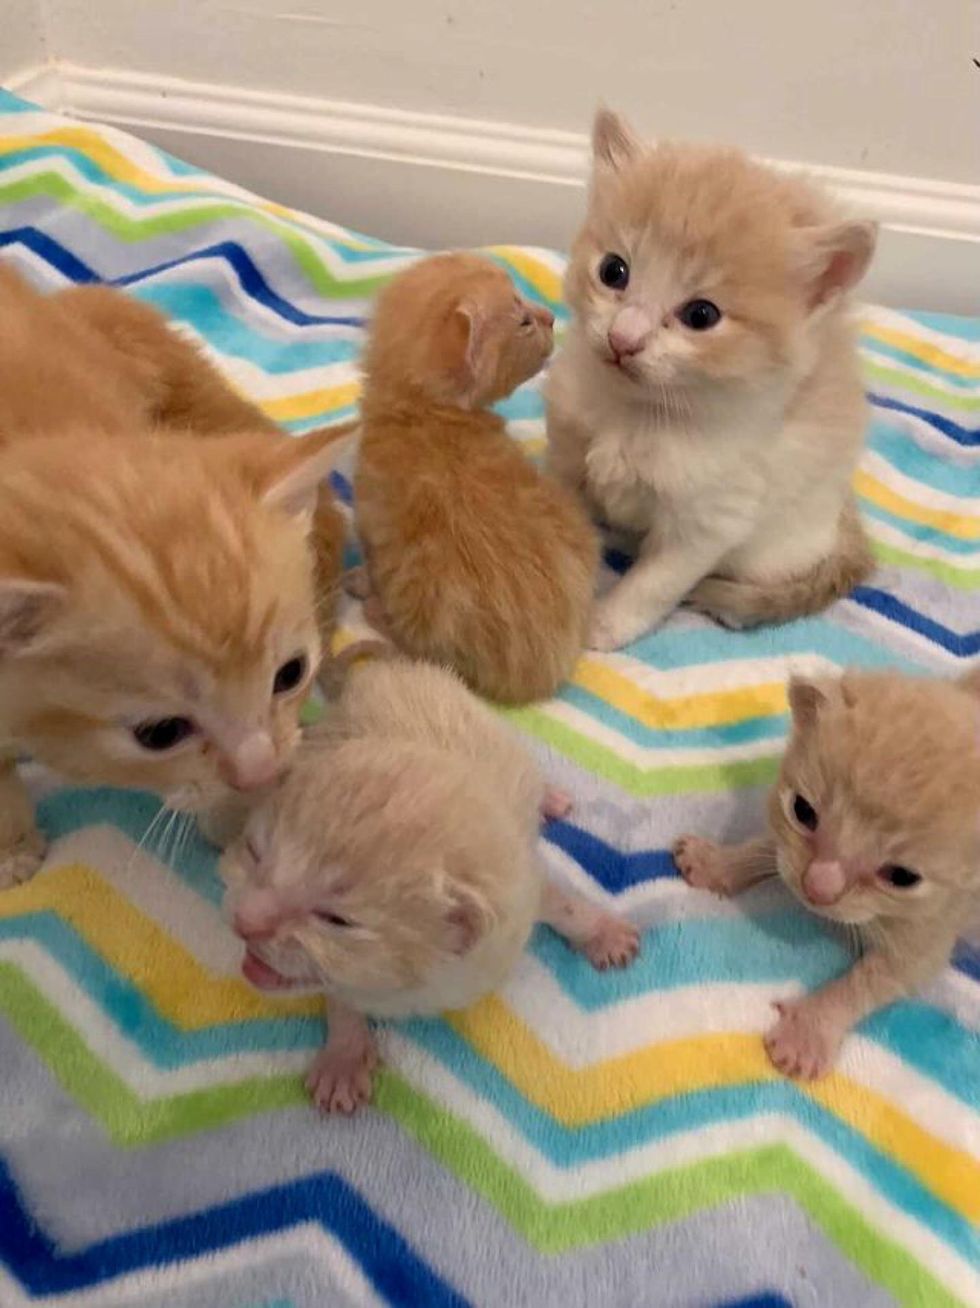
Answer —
396 868
708 397
874 822
157 616
475 558
94 356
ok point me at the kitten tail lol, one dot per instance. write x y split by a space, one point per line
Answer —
746 603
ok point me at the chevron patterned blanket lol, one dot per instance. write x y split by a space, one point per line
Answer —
578 1138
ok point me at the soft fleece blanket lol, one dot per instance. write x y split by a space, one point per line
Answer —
577 1139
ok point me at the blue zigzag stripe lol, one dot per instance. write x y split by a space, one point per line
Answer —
51 251
961 435
892 608
389 1262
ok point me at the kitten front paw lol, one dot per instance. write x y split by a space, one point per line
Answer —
612 628
342 1079
613 942
22 860
804 1043
702 865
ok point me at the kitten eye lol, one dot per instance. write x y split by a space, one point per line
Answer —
902 878
527 321
164 734
699 315
614 272
333 919
290 675
805 813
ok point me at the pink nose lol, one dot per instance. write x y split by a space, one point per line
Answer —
252 765
545 316
630 331
824 882
250 929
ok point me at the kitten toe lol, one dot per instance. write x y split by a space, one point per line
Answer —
556 803
613 943
612 627
341 1080
22 860
802 1044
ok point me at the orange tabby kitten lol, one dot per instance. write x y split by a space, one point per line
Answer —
129 366
477 559
873 823
157 617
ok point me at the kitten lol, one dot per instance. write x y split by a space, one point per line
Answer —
415 888
874 822
708 397
475 558
92 356
157 617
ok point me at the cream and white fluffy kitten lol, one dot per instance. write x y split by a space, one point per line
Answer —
873 823
397 867
708 397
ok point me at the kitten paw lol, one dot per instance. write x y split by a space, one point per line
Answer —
556 803
612 629
342 1079
22 860
357 583
613 943
702 864
803 1043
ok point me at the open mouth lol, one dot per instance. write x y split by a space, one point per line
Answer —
259 973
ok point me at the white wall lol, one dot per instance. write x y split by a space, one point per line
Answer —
22 43
886 85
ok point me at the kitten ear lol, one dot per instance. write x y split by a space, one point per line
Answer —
469 918
26 610
299 468
833 259
469 328
613 140
806 699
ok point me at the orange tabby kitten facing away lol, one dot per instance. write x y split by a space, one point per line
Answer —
873 823
157 614
475 558
94 354
708 397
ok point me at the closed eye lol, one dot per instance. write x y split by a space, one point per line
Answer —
332 919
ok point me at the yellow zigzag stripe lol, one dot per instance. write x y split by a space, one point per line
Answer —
187 994
713 708
579 1096
311 404
953 524
924 350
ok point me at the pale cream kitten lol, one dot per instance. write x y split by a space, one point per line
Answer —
874 822
397 869
708 397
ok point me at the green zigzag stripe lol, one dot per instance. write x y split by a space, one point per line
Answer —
908 379
959 578
551 1228
673 780
133 230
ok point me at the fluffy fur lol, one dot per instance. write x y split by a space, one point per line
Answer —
397 868
143 576
728 450
880 784
477 559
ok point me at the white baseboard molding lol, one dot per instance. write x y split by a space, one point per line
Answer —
434 181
